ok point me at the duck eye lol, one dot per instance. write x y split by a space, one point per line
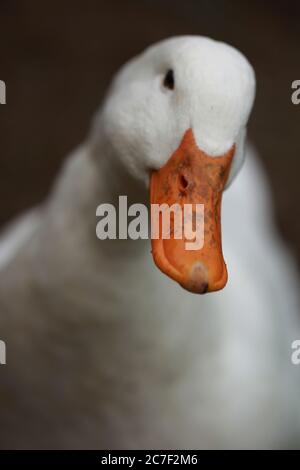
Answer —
169 81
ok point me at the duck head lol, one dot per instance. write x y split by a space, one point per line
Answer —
176 117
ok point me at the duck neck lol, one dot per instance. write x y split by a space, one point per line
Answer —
94 175
116 182
115 178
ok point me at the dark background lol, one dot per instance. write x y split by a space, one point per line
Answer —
57 58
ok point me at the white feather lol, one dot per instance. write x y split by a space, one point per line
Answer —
105 351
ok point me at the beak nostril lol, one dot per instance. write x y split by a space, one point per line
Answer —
183 182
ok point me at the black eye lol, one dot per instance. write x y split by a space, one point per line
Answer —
169 81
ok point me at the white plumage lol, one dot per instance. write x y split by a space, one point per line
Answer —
105 351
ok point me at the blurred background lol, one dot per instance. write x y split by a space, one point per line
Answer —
57 59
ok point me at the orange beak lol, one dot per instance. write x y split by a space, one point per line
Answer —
192 177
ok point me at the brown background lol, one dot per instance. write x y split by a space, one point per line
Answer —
57 59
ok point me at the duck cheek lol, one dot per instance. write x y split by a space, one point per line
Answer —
186 196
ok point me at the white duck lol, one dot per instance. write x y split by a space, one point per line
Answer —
105 351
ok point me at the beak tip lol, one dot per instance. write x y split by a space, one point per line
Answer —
196 288
197 280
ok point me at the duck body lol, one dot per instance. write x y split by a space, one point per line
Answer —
91 364
104 351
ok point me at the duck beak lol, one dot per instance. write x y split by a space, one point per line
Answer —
194 180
